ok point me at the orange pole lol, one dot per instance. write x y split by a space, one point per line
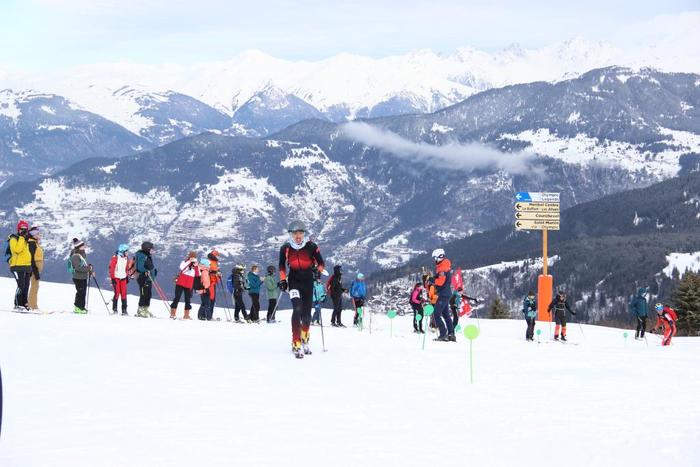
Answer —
544 284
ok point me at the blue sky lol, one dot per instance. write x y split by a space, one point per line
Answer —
47 34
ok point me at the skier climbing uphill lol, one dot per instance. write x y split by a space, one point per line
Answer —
560 305
667 318
442 281
302 257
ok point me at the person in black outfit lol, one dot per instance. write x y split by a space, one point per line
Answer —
336 291
560 306
239 286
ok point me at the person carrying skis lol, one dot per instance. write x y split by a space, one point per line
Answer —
273 293
302 258
358 294
146 274
37 253
236 285
21 264
416 302
442 281
560 305
335 289
319 298
203 286
119 268
184 283
530 313
639 308
666 317
82 271
254 283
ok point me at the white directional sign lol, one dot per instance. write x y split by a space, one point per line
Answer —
537 224
552 216
535 210
536 207
537 196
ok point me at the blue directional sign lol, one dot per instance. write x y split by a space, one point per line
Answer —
537 196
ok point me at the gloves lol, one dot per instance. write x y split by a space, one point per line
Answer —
36 275
283 285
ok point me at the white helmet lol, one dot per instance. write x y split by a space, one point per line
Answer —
438 255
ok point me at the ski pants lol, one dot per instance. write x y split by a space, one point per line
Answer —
34 280
145 290
669 332
271 304
239 305
179 290
455 316
119 286
641 326
443 318
301 294
560 322
80 292
205 309
530 332
22 277
358 303
254 306
417 317
337 309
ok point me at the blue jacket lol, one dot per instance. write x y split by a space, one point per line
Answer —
639 306
254 283
530 307
319 292
358 289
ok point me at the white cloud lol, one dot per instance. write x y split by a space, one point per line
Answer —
455 156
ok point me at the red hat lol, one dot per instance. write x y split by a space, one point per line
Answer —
22 225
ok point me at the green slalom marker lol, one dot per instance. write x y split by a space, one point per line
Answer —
471 332
539 331
458 328
427 311
391 314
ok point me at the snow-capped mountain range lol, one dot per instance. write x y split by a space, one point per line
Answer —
379 192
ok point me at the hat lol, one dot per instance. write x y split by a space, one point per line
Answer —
204 262
147 246
360 276
77 243
34 232
22 225
271 269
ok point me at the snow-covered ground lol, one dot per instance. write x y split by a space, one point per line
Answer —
99 390
683 262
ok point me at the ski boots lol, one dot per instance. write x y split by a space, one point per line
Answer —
556 337
452 338
79 311
297 350
563 338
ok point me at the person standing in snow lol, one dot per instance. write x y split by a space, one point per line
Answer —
319 298
21 264
442 281
335 289
666 317
82 271
254 283
530 313
37 252
203 286
119 268
214 277
273 293
455 305
146 273
302 258
639 308
236 285
358 294
184 283
416 302
560 305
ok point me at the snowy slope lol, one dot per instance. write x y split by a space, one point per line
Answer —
116 391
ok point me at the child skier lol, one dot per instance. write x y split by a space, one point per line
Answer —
560 305
184 283
358 293
273 293
667 317
530 312
416 302
319 298
119 268
302 257
639 308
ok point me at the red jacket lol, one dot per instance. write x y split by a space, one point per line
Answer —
188 271
113 267
667 317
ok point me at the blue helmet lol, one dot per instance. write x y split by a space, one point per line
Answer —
659 307
205 262
123 248
360 276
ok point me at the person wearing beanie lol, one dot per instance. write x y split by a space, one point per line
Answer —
273 293
236 284
336 290
254 283
145 274
214 276
82 271
203 286
119 267
21 264
184 283
37 252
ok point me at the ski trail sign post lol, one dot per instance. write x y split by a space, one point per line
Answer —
539 211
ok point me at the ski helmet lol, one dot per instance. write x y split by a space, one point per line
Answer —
123 248
360 276
270 269
296 226
204 262
659 307
147 246
438 255
22 225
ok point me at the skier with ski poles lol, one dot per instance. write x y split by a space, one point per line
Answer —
666 317
358 294
119 267
639 308
442 281
81 271
146 275
560 305
319 298
299 256
530 312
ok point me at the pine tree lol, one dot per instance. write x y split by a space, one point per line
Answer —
499 310
686 302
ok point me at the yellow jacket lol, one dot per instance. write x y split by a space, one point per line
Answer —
20 252
38 253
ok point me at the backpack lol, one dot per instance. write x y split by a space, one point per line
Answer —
8 251
229 283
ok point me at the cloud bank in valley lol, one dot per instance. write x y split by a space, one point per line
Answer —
456 156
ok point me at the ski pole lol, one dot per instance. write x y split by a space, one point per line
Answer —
161 294
323 338
581 328
279 299
94 279
227 310
87 295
